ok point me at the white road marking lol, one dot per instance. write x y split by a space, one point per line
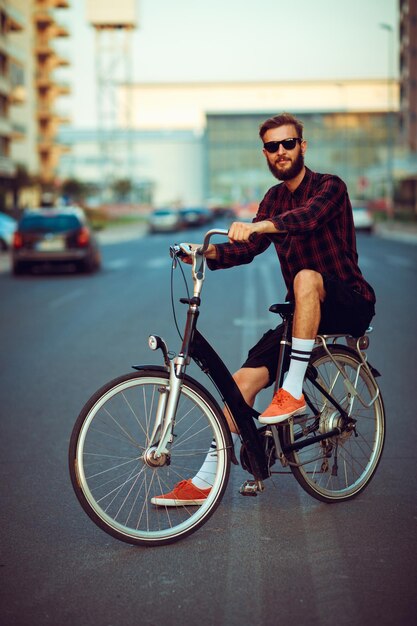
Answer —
71 295
399 261
158 262
117 264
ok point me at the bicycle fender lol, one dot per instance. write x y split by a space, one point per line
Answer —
155 368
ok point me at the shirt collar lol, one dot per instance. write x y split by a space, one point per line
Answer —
304 185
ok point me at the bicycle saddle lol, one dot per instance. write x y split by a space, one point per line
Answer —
285 309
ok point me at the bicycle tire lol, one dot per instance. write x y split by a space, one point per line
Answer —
111 480
357 452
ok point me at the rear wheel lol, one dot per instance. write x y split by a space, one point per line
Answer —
109 458
341 466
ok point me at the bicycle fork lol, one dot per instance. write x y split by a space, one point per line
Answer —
158 453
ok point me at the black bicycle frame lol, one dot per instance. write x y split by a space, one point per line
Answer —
211 364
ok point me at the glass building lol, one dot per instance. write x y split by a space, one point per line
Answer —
353 145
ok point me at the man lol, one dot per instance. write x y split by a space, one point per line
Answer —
308 218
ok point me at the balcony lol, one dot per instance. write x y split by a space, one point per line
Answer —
7 167
43 49
52 4
18 131
5 85
47 54
62 88
15 19
17 94
5 126
50 29
43 18
45 112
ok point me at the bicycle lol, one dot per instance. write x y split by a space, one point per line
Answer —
142 432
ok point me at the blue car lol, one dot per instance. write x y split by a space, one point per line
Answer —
7 228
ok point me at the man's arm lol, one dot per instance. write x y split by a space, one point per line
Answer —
242 231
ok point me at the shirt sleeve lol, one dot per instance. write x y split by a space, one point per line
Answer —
241 253
327 201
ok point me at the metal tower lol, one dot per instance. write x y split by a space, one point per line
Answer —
114 24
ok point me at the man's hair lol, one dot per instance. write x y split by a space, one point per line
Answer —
281 120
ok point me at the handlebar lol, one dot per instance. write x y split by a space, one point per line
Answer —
198 258
209 234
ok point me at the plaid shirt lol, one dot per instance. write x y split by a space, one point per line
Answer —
319 233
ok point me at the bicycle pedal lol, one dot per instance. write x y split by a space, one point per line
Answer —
251 488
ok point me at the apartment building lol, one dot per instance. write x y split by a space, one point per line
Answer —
48 59
407 188
11 72
29 91
408 71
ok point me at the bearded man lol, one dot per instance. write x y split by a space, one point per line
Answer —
308 218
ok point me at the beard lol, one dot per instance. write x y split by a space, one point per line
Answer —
291 172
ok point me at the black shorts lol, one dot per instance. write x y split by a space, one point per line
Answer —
343 311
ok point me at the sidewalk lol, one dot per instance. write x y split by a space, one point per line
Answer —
399 231
391 229
122 232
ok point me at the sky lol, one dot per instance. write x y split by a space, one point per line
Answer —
240 40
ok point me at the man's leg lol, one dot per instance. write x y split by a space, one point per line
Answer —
250 381
194 491
309 293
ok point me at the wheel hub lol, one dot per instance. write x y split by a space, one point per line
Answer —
329 419
153 461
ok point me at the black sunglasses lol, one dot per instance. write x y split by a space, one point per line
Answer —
287 144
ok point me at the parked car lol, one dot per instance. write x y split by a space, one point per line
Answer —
362 217
195 216
52 236
164 220
7 228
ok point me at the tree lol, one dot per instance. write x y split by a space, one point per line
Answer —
73 189
122 188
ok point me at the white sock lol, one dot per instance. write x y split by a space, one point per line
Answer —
205 475
300 356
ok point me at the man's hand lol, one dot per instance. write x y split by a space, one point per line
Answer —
188 248
241 231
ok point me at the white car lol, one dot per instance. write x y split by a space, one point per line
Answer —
164 221
362 217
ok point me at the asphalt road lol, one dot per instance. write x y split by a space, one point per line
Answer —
280 558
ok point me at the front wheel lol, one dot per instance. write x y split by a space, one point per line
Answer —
108 457
339 467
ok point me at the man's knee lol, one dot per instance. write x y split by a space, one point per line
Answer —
307 283
251 380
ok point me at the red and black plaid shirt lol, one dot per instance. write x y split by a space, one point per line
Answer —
319 233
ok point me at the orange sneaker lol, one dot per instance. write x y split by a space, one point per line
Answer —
283 406
183 494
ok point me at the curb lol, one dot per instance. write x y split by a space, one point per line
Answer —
118 234
397 233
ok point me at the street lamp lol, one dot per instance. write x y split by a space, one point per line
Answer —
390 129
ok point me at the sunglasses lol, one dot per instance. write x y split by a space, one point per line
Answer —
287 144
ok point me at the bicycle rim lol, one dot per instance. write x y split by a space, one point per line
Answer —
111 479
340 467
